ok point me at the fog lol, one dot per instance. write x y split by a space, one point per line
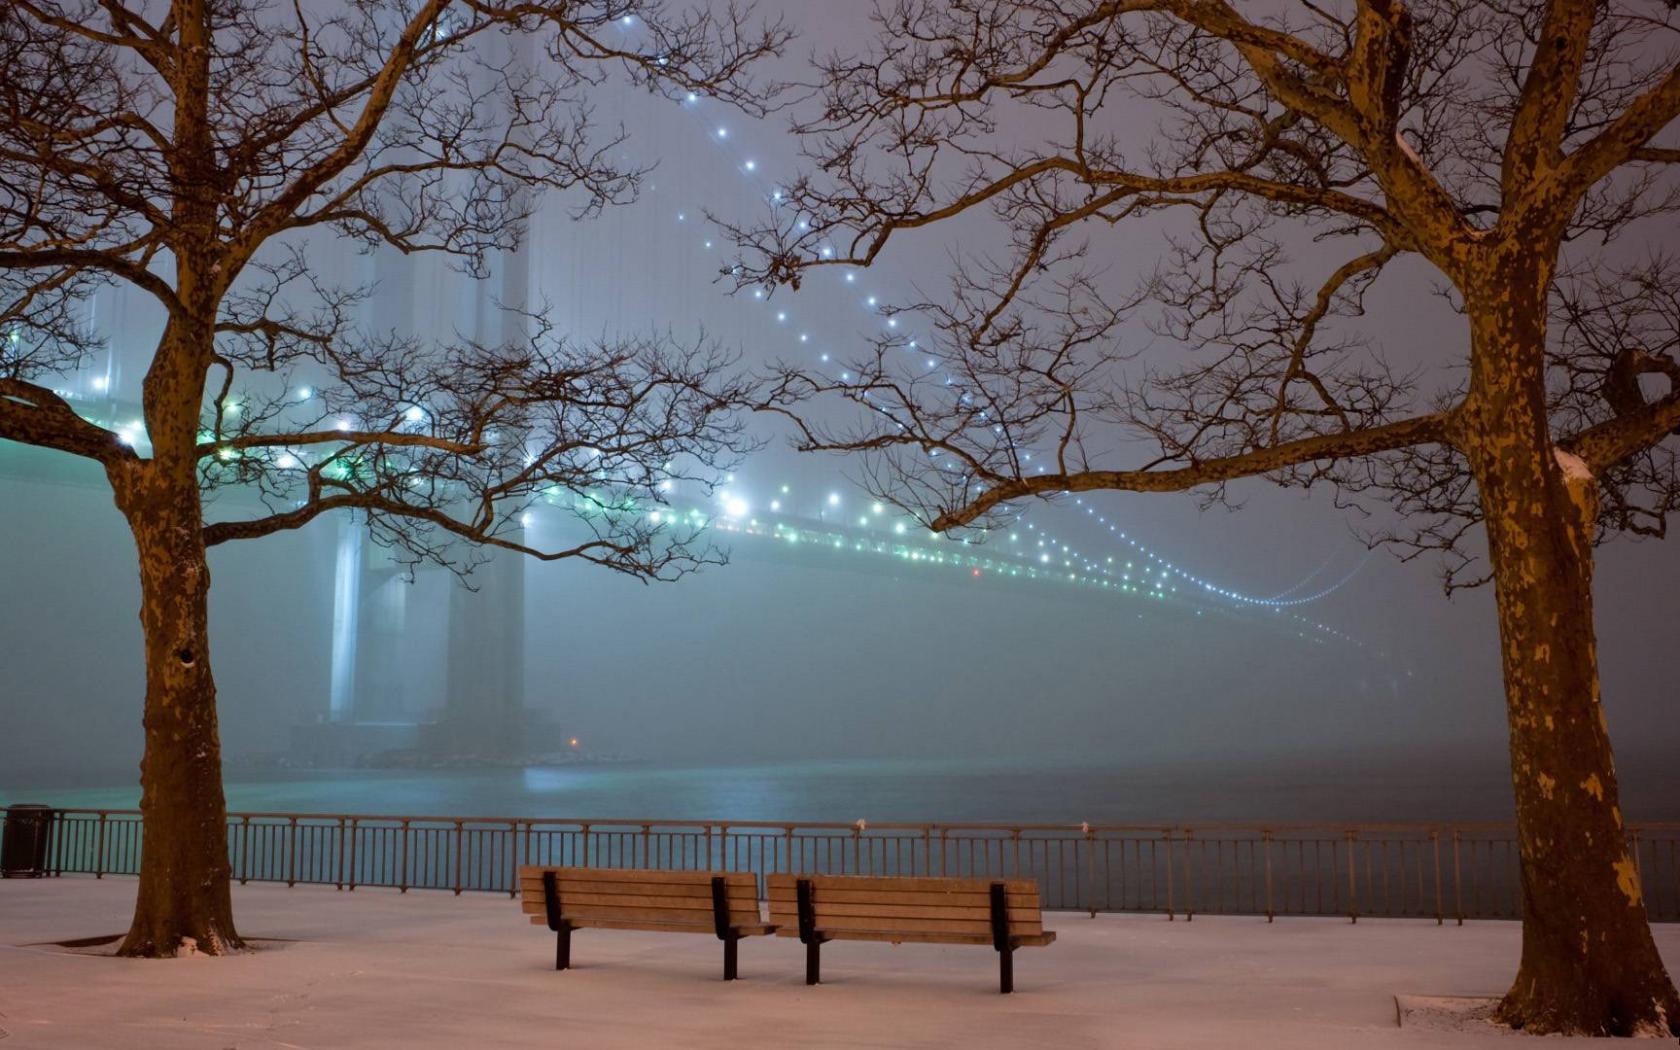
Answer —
778 658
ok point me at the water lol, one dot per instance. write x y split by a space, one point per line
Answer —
1335 789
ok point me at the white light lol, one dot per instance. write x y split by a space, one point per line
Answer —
415 413
892 322
667 485
708 244
681 217
526 520
736 507
722 133
775 504
781 316
342 426
287 461
692 97
101 384
803 338
825 357
899 528
627 21
876 508
851 277
304 393
872 300
834 499
752 165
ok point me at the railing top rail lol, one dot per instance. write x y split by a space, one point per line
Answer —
867 826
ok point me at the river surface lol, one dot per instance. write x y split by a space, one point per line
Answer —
1325 789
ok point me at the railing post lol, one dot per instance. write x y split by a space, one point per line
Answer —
583 834
402 859
99 849
647 843
338 883
706 865
460 853
944 847
1167 835
1090 867
513 859
350 857
1266 848
1458 882
1353 879
1189 876
291 852
1435 842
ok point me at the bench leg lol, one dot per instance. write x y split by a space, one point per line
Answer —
813 962
1006 970
729 956
563 948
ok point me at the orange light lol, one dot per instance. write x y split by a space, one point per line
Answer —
573 741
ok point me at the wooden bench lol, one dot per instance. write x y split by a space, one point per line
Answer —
717 902
1002 913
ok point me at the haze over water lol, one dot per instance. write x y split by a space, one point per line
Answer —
1331 789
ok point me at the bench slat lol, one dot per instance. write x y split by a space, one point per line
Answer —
570 899
906 911
571 907
579 914
1038 940
937 899
696 891
827 923
746 929
914 883
534 873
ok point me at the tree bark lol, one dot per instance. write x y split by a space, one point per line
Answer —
184 901
1589 963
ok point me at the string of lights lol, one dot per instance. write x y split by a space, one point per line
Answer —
720 136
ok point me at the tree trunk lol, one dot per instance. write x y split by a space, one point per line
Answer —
184 900
1589 964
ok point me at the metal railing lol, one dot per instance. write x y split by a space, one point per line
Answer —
1432 871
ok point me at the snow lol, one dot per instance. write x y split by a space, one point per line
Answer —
375 968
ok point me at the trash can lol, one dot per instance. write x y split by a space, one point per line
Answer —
23 847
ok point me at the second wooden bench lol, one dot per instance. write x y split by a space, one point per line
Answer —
1003 913
716 902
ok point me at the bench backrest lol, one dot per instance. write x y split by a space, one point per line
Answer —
634 896
961 908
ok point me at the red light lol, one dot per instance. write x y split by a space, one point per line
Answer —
976 572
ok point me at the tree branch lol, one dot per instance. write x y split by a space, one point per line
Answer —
1422 430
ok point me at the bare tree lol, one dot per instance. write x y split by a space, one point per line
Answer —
197 150
1504 146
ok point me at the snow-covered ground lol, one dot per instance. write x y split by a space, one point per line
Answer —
377 969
